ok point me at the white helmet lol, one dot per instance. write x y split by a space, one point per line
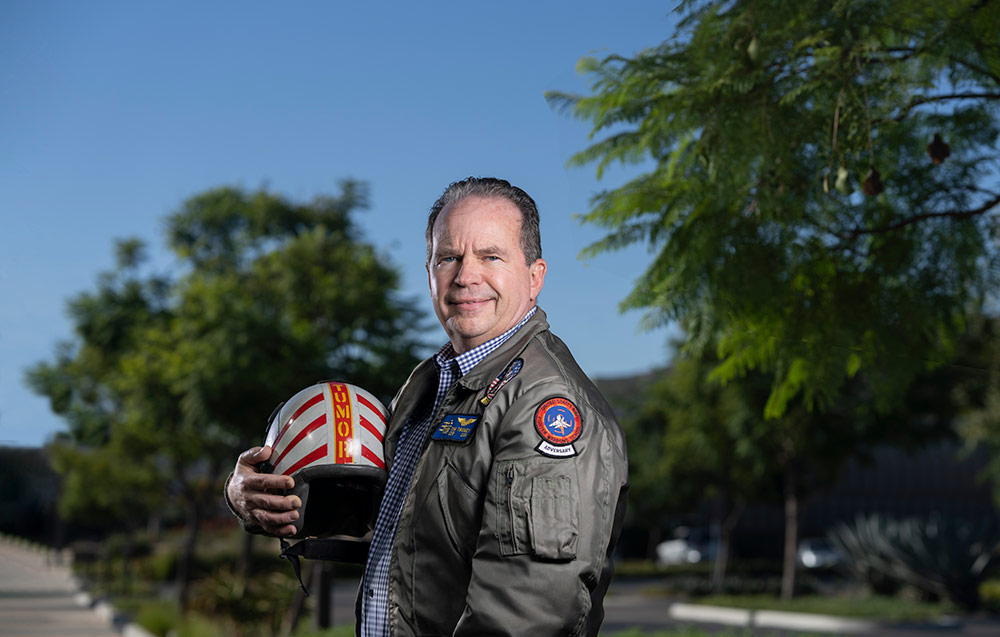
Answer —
328 437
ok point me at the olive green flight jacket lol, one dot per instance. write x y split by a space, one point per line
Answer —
516 502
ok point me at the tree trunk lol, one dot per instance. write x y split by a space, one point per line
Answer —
655 535
323 583
185 565
727 527
791 532
127 546
294 613
246 555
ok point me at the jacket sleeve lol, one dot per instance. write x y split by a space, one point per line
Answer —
542 559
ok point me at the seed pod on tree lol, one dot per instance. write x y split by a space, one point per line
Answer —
843 183
873 183
938 149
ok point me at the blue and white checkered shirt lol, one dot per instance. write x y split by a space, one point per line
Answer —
375 596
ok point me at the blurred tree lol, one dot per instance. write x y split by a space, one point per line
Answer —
273 296
279 296
975 392
81 383
107 479
692 440
819 192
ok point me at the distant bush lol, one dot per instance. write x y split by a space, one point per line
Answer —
989 593
942 556
159 618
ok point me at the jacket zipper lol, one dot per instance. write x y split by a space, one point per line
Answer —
510 508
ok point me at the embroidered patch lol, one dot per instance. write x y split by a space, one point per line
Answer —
455 427
501 380
558 422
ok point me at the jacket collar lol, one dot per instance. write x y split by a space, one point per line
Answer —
498 360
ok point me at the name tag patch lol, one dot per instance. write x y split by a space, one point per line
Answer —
455 427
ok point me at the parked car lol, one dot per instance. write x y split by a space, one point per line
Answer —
689 548
818 552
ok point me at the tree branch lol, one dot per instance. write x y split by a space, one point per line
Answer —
906 221
942 98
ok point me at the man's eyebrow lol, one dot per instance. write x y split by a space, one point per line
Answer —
490 250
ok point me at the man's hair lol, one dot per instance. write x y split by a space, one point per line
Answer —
492 188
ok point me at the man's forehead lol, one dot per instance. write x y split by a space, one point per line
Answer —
494 214
477 204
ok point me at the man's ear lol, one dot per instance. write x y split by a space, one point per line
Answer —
537 271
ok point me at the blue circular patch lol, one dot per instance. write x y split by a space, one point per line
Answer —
557 420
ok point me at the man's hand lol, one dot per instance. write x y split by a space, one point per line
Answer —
251 494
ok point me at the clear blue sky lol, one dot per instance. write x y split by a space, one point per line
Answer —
113 113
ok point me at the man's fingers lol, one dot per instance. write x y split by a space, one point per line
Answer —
268 481
269 502
283 531
255 455
272 520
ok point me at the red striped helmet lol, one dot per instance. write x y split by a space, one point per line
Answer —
329 438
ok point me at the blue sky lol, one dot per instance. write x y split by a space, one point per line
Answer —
113 113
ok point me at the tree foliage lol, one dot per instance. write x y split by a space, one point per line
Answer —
819 187
167 378
974 394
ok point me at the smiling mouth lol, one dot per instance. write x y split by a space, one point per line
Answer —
469 304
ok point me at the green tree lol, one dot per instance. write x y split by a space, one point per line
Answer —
107 479
974 393
279 296
815 187
272 296
693 439
82 382
760 123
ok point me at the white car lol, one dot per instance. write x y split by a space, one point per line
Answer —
818 552
684 551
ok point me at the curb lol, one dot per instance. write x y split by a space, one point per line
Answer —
770 619
109 614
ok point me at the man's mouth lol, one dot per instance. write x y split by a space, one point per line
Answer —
469 304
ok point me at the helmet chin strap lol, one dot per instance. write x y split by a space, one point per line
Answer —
326 549
293 559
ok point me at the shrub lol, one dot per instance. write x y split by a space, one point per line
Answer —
159 618
941 556
989 593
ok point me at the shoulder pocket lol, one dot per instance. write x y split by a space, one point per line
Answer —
538 508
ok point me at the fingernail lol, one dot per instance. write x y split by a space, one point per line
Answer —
294 516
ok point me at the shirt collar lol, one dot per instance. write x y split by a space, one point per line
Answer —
445 356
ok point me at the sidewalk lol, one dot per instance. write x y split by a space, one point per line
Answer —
39 597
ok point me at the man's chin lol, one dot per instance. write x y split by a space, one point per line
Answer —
467 329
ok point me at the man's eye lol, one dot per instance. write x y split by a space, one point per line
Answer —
492 258
446 260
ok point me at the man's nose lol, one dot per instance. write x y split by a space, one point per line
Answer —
469 272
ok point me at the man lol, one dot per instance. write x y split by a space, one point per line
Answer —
507 469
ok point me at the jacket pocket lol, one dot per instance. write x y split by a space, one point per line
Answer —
538 508
459 510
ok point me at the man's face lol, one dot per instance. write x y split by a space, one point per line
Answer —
480 284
